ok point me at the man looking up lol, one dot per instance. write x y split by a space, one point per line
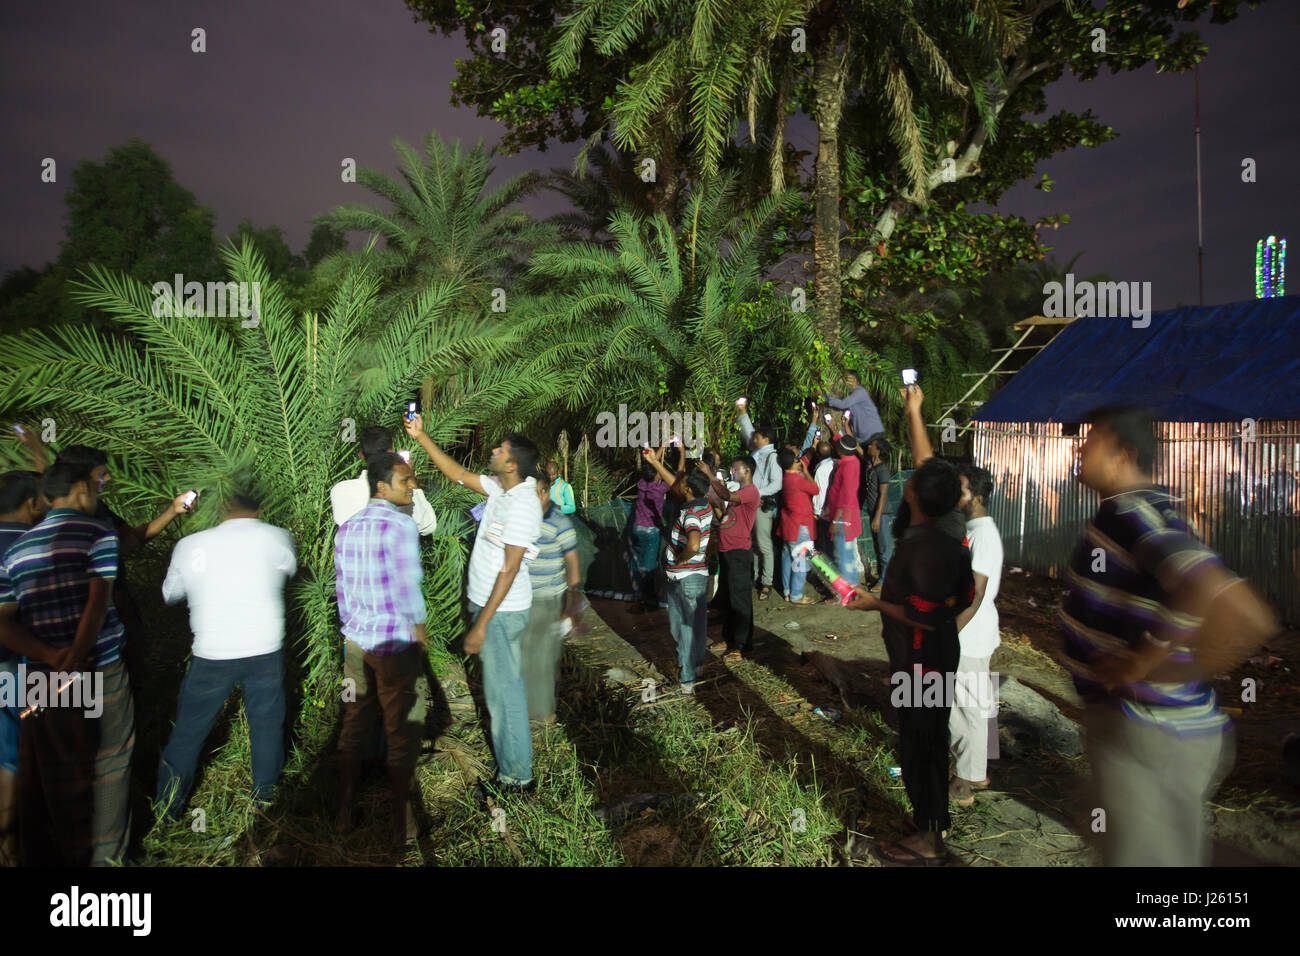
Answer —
928 584
233 578
500 594
351 495
864 419
381 607
734 551
767 479
842 511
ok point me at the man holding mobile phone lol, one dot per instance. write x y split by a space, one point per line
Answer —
864 420
350 496
500 594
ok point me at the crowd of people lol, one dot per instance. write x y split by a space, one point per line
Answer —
1151 614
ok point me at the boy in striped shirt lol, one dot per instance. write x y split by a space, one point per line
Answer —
688 579
553 574
1152 614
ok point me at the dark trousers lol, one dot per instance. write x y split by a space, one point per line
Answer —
737 582
204 692
56 787
923 758
392 686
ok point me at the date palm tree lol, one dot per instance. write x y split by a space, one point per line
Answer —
194 401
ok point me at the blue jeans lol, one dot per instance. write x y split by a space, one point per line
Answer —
845 557
204 691
503 689
688 604
794 571
645 561
884 542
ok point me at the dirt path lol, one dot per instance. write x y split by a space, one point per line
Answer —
824 656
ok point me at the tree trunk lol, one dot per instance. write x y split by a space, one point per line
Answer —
828 91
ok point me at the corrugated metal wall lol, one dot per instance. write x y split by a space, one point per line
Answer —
1241 495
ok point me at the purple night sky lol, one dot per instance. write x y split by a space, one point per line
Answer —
257 127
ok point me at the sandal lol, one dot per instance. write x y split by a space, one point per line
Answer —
896 853
764 593
804 600
732 657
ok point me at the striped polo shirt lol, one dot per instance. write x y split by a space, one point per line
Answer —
9 532
547 572
512 517
377 578
46 571
695 516
1115 596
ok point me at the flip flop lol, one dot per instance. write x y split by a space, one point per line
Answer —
896 853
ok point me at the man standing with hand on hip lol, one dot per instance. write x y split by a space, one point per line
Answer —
500 594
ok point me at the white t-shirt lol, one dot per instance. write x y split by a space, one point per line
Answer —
233 576
349 497
980 638
822 475
512 517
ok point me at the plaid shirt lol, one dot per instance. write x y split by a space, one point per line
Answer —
377 578
47 572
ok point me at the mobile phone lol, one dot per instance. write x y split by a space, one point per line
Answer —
188 501
674 440
645 446
909 376
404 455
719 474
19 430
410 411
847 413
818 433
827 416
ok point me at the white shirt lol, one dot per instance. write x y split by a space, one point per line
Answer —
822 475
512 517
233 576
349 497
980 637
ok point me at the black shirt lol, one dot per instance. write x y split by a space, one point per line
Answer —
930 577
877 480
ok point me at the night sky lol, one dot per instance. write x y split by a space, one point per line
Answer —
257 127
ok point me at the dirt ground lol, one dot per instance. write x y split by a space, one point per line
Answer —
1030 816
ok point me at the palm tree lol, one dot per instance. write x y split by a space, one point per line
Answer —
195 401
715 61
661 317
443 224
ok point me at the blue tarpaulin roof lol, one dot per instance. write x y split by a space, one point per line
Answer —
1216 363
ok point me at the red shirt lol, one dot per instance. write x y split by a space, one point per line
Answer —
738 523
842 497
797 493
